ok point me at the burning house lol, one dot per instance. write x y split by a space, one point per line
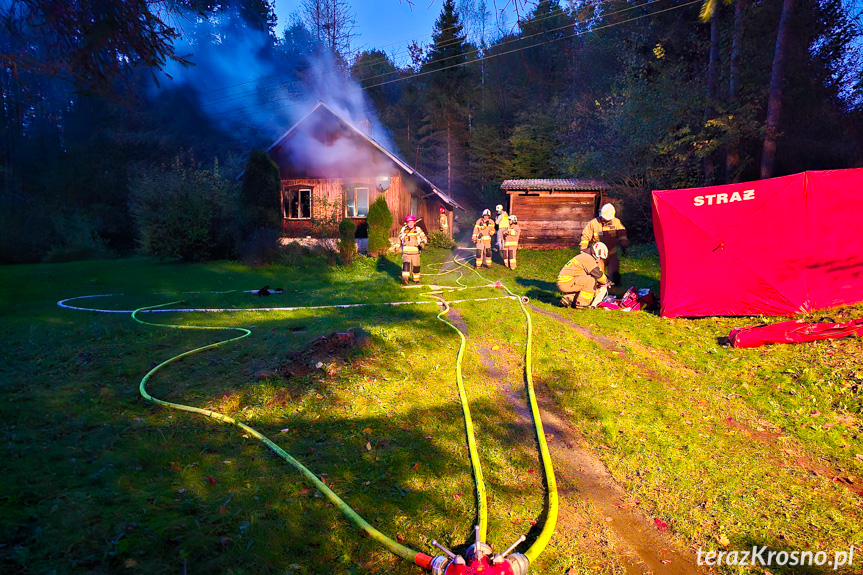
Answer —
331 167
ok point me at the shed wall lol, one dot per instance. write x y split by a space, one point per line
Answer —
553 219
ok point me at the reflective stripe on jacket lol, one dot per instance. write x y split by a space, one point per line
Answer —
582 264
610 233
511 235
412 240
483 230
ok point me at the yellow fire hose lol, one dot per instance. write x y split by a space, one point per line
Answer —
482 509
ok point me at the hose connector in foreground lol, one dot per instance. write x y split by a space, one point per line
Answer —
479 559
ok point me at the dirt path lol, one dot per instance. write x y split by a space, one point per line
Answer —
643 549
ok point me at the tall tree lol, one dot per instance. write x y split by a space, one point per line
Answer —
774 104
332 22
93 44
710 12
447 100
732 156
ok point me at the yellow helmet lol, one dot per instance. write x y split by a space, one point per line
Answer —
498 208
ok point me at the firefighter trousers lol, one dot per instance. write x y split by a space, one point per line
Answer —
483 252
410 266
509 256
583 292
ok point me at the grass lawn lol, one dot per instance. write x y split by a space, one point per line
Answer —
720 449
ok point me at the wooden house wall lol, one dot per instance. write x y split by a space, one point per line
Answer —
553 219
329 193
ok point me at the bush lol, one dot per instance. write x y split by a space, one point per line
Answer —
380 222
79 240
26 230
440 240
181 211
262 247
347 241
260 193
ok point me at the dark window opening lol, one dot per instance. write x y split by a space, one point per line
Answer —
298 204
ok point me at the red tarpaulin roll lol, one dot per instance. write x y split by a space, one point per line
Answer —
793 332
781 246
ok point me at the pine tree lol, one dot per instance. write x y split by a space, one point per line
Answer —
448 114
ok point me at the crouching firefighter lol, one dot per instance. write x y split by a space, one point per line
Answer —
510 242
582 280
483 231
412 239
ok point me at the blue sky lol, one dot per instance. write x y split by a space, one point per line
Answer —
385 24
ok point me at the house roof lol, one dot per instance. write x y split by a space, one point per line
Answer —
398 161
555 185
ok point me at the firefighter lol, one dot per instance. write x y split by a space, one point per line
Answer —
483 231
606 229
502 223
443 221
412 239
510 242
582 280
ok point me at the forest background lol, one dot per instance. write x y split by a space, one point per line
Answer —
111 109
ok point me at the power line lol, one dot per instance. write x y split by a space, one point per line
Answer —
383 59
489 57
468 54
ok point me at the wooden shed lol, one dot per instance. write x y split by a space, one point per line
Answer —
553 212
331 169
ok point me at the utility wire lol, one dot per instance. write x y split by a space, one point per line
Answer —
483 58
384 59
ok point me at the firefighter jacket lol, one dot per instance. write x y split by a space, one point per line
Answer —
511 235
412 239
502 220
610 233
582 264
483 230
443 222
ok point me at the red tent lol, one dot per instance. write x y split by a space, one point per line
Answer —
773 247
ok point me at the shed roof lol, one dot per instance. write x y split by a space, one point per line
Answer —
555 185
398 161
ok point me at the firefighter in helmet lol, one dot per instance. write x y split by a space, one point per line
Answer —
412 239
606 228
443 221
483 231
502 222
510 242
582 280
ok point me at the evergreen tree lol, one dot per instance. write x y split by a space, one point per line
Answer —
447 100
260 192
380 222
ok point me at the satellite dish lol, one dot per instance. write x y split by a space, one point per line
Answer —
382 183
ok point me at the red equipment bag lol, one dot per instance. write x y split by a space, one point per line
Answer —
633 300
792 332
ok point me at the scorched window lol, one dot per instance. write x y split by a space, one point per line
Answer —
298 203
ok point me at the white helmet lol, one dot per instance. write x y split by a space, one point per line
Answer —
513 218
600 250
486 212
607 212
498 208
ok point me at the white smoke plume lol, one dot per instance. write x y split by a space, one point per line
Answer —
256 92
